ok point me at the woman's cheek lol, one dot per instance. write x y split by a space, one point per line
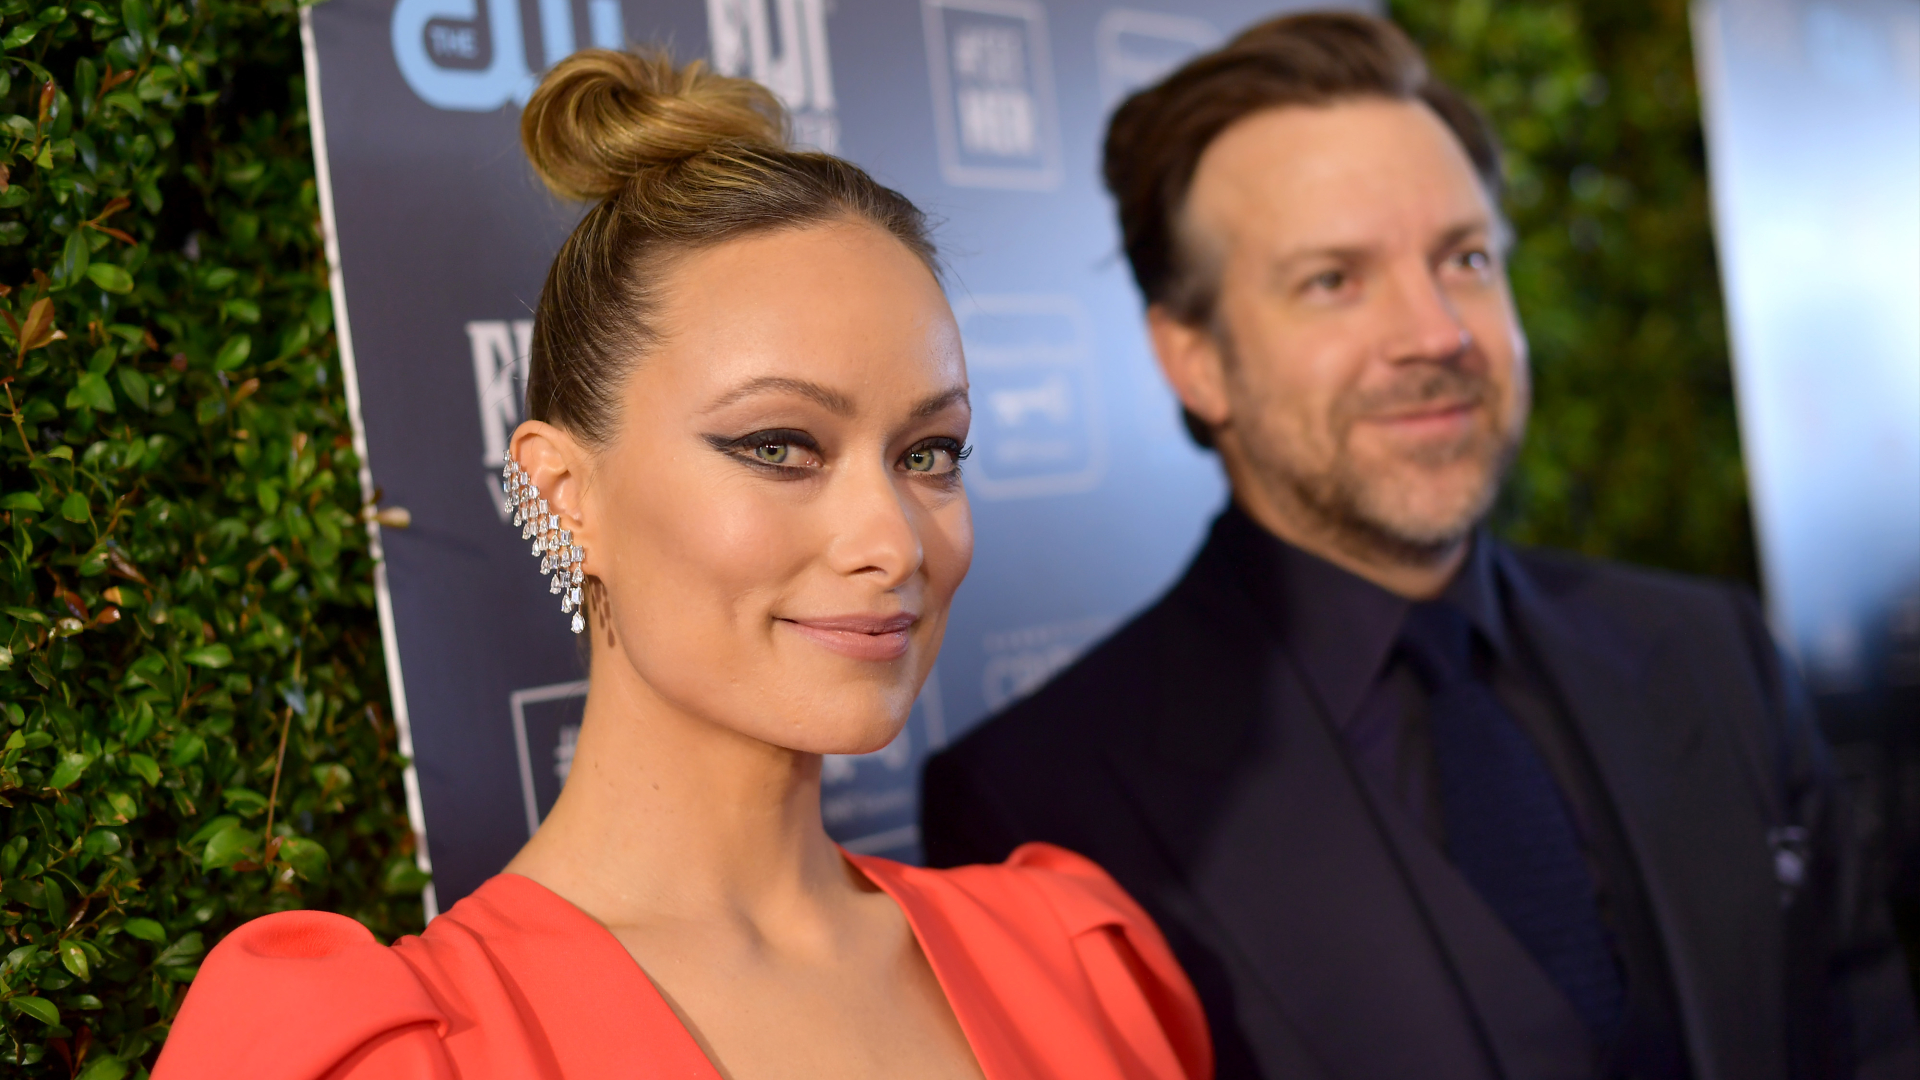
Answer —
952 558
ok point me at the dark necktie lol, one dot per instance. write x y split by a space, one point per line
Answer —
1509 830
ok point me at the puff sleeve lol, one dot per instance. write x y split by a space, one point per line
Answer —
305 995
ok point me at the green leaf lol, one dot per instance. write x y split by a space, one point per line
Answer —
37 1007
75 256
135 385
74 959
102 843
69 770
112 278
16 38
183 951
215 655
22 500
144 767
74 508
307 858
242 309
224 821
145 929
93 392
403 877
233 353
187 748
228 846
138 17
106 1067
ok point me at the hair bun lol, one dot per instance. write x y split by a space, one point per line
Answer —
600 118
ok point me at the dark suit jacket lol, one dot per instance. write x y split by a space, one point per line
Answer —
1329 937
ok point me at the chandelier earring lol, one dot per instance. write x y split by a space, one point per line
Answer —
559 556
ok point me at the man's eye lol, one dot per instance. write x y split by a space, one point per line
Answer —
1477 261
1329 280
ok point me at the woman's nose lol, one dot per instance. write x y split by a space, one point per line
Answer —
871 527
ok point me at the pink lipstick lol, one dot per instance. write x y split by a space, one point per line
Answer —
859 637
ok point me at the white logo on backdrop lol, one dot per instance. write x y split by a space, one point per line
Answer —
1037 424
801 72
1138 48
993 103
1021 660
500 351
454 57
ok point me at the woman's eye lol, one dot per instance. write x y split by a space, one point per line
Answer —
1477 261
773 453
932 460
1328 281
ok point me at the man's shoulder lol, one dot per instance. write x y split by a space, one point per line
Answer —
1711 624
1642 595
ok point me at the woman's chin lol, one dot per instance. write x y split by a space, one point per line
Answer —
846 735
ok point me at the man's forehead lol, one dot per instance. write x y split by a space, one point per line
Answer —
1337 175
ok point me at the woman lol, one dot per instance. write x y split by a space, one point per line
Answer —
750 410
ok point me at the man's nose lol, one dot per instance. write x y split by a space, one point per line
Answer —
1424 326
871 529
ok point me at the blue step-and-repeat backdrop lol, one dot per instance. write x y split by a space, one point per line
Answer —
1088 498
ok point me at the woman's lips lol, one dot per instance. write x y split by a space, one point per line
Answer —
861 637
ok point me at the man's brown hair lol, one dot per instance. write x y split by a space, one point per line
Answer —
1157 136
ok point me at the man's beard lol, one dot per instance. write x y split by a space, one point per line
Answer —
1362 505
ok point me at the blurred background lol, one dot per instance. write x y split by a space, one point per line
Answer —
1718 264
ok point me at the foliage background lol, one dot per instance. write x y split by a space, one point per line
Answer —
1633 452
185 578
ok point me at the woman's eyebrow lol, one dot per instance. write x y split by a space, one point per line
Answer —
938 402
832 400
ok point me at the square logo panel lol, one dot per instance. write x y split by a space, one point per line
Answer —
1037 427
993 93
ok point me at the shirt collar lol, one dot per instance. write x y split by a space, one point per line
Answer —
1338 625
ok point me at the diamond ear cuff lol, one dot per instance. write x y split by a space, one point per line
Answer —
553 545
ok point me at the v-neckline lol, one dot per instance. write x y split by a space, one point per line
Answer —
970 1026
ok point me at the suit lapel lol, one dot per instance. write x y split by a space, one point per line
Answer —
1531 1026
1672 778
1278 847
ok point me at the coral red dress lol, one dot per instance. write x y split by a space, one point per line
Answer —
1052 970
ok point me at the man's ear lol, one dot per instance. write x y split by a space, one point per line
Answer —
1190 358
556 463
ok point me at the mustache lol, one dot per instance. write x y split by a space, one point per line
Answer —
1415 389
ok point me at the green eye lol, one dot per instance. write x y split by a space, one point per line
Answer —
773 453
922 460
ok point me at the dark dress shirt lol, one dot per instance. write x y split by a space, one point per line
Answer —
1343 628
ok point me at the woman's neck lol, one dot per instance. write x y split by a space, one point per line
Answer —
665 816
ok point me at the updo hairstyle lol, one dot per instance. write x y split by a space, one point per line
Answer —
675 159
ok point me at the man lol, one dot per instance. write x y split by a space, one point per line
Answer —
1409 802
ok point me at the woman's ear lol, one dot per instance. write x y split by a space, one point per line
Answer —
556 463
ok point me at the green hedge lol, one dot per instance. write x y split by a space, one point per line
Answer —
195 730
186 584
1633 453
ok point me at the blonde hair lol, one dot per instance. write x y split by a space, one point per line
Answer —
675 158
